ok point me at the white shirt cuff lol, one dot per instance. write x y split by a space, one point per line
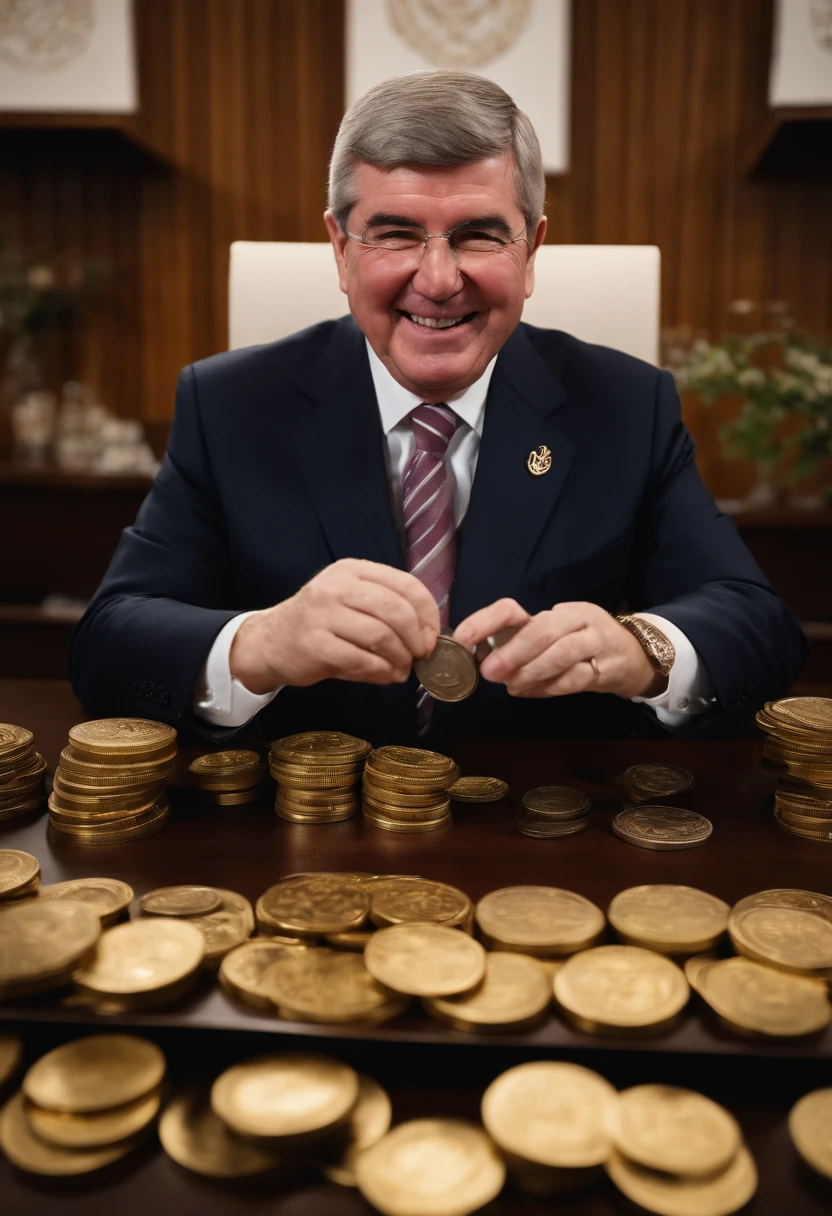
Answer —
689 690
219 697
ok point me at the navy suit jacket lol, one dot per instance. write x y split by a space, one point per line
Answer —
276 468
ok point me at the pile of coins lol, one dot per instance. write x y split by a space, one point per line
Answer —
405 789
110 784
318 775
227 778
552 811
19 874
42 942
655 782
799 748
142 964
224 918
84 1105
22 772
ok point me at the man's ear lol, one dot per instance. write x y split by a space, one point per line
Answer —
538 241
339 245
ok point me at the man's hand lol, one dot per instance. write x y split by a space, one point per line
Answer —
356 620
550 654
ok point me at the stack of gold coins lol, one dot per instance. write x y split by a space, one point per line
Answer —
22 772
111 782
108 898
227 778
552 811
405 789
799 749
142 964
318 774
224 918
677 1151
655 782
84 1105
41 943
19 874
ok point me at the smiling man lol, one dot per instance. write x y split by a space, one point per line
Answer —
328 503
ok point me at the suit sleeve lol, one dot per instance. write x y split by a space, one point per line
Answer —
141 645
691 567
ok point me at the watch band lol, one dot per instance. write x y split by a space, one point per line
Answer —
659 649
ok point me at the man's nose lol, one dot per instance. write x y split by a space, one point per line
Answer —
438 276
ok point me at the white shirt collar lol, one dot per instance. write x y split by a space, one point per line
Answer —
396 402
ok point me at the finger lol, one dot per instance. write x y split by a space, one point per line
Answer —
372 635
560 656
407 585
489 620
346 661
393 609
580 678
529 642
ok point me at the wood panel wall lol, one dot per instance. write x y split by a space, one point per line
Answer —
241 100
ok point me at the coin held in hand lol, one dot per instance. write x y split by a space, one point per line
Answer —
449 672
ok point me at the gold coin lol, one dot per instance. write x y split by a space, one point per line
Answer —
478 789
93 837
314 747
121 738
28 1152
412 762
808 829
812 713
355 940
41 942
652 782
425 960
319 816
315 903
791 930
449 672
336 797
64 800
198 1139
26 777
108 898
395 797
17 870
670 919
288 1095
541 826
369 1121
397 825
539 920
243 968
431 1167
762 1000
717 1195
11 1054
110 772
398 783
98 1129
662 828
394 902
810 1127
328 986
95 1073
515 991
238 798
675 1130
621 987
180 901
225 929
407 814
143 956
14 741
551 1113
214 763
559 801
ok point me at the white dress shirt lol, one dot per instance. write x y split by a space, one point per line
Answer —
223 700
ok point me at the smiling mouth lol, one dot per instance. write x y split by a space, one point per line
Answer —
438 322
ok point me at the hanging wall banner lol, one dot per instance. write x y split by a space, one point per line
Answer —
522 45
67 55
801 67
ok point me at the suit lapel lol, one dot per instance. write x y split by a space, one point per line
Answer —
509 505
340 448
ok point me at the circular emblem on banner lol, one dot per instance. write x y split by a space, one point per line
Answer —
822 23
42 35
459 33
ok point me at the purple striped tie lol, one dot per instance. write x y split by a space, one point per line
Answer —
429 522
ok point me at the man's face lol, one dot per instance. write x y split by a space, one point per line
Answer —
483 292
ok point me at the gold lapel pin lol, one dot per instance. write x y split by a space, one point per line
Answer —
539 462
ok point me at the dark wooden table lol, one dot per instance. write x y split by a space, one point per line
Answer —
430 1069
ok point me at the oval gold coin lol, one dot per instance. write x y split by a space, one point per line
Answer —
369 1121
539 920
198 1140
668 918
39 941
662 828
11 1053
243 968
142 956
656 781
95 1130
431 1167
449 672
621 988
675 1130
762 1000
478 789
285 1095
95 1073
515 991
180 901
121 737
28 1152
812 713
551 1113
425 960
17 869
410 762
14 740
791 930
393 902
214 763
108 898
717 1195
314 903
320 747
559 801
328 986
810 1127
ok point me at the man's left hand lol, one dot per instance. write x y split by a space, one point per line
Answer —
552 654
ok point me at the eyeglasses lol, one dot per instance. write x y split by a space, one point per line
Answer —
463 242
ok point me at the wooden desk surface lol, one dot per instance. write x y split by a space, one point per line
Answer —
428 1068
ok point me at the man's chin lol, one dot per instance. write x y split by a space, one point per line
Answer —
438 372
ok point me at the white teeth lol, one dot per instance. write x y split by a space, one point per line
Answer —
435 322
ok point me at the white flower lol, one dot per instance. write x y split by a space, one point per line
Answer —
41 278
751 377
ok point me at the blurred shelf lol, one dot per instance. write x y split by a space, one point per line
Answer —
125 127
13 473
793 142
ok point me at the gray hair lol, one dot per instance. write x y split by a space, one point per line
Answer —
435 118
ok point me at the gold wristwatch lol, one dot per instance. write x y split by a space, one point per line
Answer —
659 649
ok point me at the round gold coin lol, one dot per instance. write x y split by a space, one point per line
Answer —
108 898
431 1167
621 988
662 828
539 920
551 1113
136 738
763 1000
540 826
28 1152
717 1195
95 1073
14 739
11 1054
791 930
225 929
143 956
652 782
289 1095
17 870
180 901
449 672
242 970
811 713
478 789
41 942
397 825
314 904
425 960
410 762
668 918
314 747
558 801
325 985
675 1130
810 1127
215 763
98 1129
198 1140
393 902
369 1120
515 992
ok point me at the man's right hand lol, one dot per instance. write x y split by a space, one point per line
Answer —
356 620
